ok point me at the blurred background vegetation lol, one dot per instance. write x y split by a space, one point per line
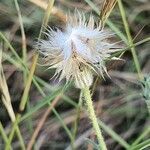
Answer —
118 101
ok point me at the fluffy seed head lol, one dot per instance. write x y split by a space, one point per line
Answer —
78 51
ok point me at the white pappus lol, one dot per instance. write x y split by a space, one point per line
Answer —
79 51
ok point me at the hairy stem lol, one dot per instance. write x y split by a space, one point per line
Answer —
93 118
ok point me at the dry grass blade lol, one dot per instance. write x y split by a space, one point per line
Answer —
107 7
41 122
4 92
24 45
35 58
7 100
55 11
33 66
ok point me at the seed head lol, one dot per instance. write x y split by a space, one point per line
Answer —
79 51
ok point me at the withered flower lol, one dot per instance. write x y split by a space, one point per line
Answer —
79 51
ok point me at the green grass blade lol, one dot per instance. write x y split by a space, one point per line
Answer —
42 103
142 135
130 41
64 126
114 135
141 146
24 46
3 133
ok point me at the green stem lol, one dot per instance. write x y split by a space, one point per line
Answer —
22 144
15 128
4 136
130 41
93 118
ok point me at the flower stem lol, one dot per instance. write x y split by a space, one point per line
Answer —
93 118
